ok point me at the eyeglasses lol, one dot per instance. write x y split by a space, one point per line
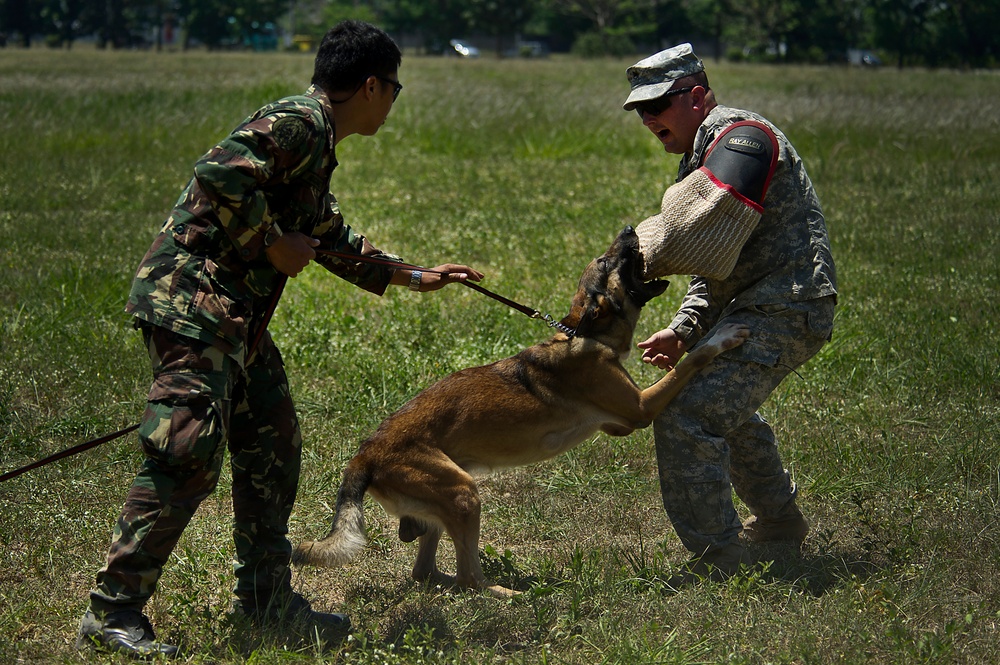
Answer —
657 106
396 85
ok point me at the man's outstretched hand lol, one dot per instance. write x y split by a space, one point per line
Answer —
432 281
663 349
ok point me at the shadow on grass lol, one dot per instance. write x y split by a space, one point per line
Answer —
815 574
411 618
244 638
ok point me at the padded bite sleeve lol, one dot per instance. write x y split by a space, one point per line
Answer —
700 230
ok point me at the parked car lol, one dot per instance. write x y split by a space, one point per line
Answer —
863 58
463 49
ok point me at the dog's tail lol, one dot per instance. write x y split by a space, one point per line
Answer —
347 536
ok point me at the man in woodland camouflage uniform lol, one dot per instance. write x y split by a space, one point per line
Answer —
711 440
254 212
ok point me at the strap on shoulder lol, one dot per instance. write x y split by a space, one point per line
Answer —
744 156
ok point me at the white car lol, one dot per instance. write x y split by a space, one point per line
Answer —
464 50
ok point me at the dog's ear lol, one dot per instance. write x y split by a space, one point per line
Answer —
572 320
598 312
585 323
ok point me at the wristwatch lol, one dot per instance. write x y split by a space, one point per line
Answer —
272 234
415 277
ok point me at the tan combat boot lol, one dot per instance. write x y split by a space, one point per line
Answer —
791 528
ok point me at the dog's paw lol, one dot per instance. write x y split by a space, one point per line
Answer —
498 591
730 336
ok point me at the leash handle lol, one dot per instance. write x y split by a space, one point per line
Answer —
377 260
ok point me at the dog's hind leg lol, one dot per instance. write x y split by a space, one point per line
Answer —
463 526
453 500
425 568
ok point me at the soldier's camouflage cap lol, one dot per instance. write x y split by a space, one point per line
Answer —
653 77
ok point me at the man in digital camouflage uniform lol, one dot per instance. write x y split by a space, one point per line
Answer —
711 440
256 209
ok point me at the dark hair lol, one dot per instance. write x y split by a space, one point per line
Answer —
699 78
350 52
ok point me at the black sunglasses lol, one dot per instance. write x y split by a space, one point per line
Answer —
396 86
657 106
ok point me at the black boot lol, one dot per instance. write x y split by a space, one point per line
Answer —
291 608
125 631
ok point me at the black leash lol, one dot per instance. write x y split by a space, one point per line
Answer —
399 265
524 309
79 448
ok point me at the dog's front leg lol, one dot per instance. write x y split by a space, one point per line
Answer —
654 399
637 408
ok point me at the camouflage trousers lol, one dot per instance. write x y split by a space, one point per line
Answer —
201 399
710 440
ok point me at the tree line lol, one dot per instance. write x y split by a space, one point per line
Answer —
935 33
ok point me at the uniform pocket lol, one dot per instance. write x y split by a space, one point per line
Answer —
761 348
184 423
820 319
215 309
209 299
773 310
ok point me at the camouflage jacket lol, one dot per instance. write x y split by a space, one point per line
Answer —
206 274
786 259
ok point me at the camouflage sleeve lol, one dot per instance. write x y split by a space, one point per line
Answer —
336 235
697 313
263 153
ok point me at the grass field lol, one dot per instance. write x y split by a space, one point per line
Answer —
525 170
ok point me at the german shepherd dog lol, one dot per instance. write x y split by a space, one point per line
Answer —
421 461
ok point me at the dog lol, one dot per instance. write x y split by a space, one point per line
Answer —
421 462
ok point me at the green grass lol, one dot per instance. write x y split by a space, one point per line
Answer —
525 170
